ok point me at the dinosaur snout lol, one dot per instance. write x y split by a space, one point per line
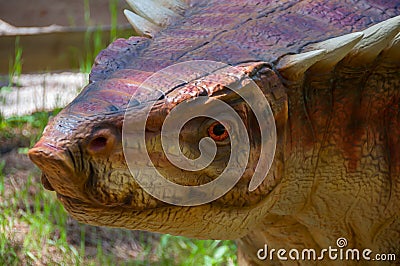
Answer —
54 162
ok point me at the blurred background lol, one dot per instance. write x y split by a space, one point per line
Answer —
47 48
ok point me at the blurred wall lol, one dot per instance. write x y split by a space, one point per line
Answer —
59 49
62 12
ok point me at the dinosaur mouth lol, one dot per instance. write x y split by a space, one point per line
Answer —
58 172
45 182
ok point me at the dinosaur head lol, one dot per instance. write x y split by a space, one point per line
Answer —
94 154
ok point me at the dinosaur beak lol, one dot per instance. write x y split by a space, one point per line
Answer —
54 162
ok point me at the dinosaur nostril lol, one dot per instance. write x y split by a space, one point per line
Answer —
98 144
102 142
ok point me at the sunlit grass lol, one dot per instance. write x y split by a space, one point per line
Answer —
15 64
187 251
95 41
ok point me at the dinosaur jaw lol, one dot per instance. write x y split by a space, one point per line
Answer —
201 222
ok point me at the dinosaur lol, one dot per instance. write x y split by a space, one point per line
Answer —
330 71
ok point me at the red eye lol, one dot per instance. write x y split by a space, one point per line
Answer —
218 132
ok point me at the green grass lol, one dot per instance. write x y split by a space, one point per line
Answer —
15 65
113 8
195 252
28 222
95 41
14 70
24 131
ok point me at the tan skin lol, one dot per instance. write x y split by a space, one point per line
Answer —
115 189
335 172
299 205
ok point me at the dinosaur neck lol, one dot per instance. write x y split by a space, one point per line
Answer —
341 165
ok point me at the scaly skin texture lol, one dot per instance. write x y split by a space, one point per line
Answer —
336 169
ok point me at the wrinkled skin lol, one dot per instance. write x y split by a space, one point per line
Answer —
337 162
105 180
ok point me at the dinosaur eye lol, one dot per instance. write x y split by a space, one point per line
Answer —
218 132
